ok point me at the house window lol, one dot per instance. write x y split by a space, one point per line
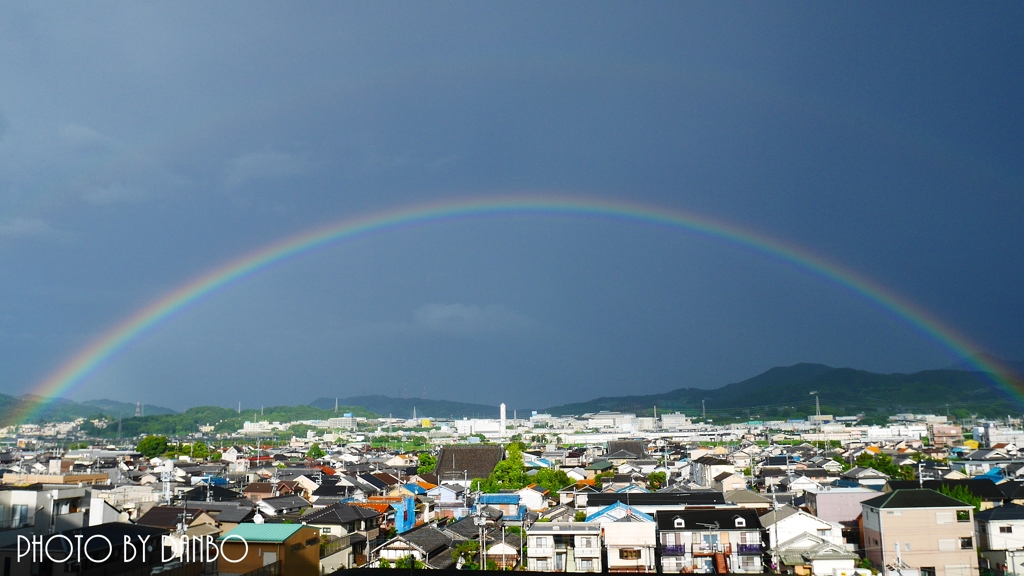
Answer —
741 523
679 523
906 546
587 565
19 515
629 554
824 532
1006 529
963 515
966 543
928 571
326 530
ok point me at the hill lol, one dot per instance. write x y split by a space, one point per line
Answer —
114 408
222 419
403 407
62 410
789 391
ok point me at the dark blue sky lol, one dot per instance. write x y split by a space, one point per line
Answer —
142 145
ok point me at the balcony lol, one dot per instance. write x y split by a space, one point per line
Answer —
587 552
704 549
748 548
540 551
677 550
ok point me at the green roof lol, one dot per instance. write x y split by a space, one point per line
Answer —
263 532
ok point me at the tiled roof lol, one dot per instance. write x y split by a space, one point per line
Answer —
915 498
477 461
340 513
1009 512
725 518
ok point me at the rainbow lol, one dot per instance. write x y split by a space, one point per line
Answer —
88 360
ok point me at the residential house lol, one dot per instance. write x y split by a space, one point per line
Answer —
868 477
788 522
703 470
534 497
1000 532
257 491
563 547
710 541
748 499
294 547
933 532
991 494
728 481
449 501
458 464
809 554
629 537
512 510
839 505
282 505
347 529
425 544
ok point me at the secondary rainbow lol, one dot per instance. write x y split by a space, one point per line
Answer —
85 362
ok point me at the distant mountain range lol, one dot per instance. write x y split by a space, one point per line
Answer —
403 407
791 390
60 409
970 364
777 393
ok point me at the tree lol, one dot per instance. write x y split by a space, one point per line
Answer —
580 516
656 480
409 563
199 450
384 563
152 446
427 463
465 553
315 452
961 493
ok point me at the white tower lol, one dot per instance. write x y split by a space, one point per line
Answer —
501 426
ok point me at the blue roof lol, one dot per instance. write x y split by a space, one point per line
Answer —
620 505
499 499
415 488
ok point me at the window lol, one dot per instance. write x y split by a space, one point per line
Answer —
966 543
928 571
741 523
1006 529
587 565
906 546
629 554
824 532
679 523
963 515
19 515
326 530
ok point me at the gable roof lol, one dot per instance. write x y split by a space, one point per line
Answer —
339 514
724 518
263 532
475 461
1008 512
983 487
914 498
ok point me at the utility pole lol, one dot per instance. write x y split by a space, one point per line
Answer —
703 412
